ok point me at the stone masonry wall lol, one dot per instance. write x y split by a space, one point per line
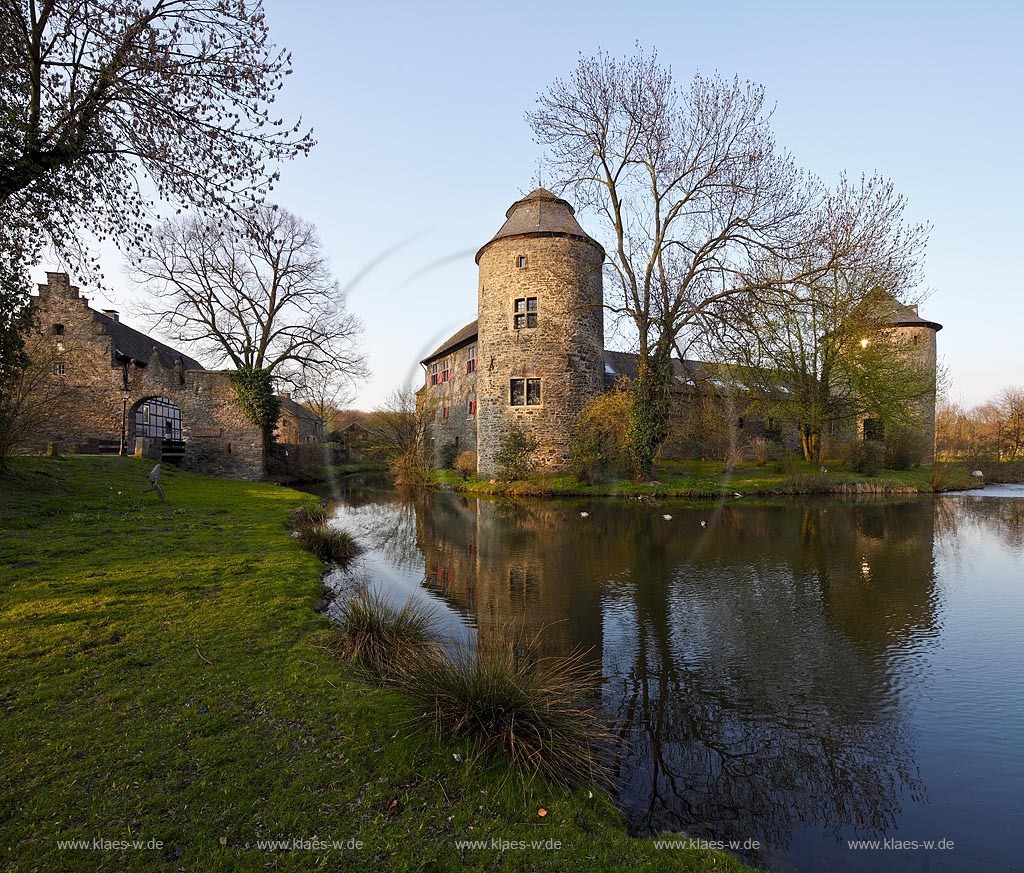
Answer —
921 342
564 350
460 427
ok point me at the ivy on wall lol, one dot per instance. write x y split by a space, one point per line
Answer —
254 389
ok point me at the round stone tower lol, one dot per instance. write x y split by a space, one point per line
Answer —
541 329
917 335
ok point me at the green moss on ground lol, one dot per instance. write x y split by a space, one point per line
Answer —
698 480
163 676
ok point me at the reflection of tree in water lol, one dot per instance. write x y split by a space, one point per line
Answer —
748 700
1003 517
384 522
753 664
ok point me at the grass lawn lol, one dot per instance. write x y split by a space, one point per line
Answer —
706 479
164 677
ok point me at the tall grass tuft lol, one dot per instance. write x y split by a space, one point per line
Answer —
310 527
309 514
379 636
525 707
329 543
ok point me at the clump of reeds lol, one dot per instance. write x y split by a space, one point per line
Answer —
513 702
309 514
311 528
379 635
329 543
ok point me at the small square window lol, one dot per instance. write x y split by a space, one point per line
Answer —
58 330
521 262
58 369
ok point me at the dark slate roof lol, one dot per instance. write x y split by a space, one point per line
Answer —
687 374
901 314
133 344
540 213
297 409
460 338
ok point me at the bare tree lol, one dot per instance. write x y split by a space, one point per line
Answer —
400 437
693 193
255 292
324 392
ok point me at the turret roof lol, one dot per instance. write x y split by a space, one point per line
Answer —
540 213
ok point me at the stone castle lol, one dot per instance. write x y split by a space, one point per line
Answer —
535 355
120 391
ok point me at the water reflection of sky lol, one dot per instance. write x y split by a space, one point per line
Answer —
799 673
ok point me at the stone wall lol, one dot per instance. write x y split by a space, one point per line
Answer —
219 439
459 426
564 350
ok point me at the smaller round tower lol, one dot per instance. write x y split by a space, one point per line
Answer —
541 329
918 336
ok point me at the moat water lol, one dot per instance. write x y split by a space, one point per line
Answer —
800 673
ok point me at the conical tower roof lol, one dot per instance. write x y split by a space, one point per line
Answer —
540 213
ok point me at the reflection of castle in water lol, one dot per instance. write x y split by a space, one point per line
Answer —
751 663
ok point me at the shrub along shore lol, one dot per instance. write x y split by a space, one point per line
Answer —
707 480
170 698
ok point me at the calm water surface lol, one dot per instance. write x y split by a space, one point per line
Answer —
801 674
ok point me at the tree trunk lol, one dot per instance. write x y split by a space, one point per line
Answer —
647 428
810 442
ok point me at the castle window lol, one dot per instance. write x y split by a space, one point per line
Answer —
472 408
440 371
58 368
471 360
521 262
524 392
58 330
446 412
873 429
525 312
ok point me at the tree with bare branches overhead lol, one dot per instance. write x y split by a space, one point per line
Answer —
255 292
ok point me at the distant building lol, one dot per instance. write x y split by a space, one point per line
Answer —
296 424
535 354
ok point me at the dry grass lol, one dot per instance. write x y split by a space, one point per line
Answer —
379 636
510 701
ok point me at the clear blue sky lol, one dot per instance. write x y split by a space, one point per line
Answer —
418 112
